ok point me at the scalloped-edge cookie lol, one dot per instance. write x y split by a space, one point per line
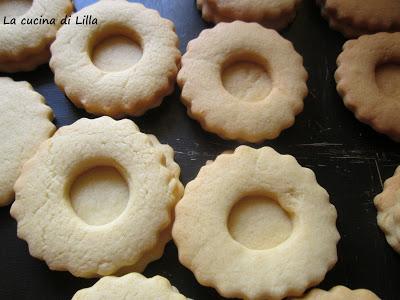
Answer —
355 18
265 114
271 14
339 293
388 205
24 47
209 248
131 286
52 228
25 123
133 90
374 103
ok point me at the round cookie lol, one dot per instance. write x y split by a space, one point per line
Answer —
131 286
271 14
368 78
339 293
128 91
355 18
388 205
53 205
24 47
256 225
25 123
242 81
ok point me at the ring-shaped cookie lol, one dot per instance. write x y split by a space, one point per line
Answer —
131 286
271 14
131 91
207 248
19 41
51 227
220 112
357 84
388 205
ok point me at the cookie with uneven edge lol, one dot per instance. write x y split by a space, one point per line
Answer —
128 91
345 29
238 103
24 47
354 18
226 234
388 205
272 14
131 286
53 225
339 293
25 123
367 78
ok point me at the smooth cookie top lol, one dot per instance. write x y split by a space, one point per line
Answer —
221 106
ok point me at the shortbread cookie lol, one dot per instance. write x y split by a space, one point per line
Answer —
25 122
272 14
55 223
339 293
132 90
28 64
23 46
388 205
368 78
256 225
131 286
354 18
242 81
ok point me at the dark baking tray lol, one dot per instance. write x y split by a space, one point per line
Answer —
349 159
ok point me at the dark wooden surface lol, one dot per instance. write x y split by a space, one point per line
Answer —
349 159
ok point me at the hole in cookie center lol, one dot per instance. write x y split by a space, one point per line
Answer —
388 79
116 53
258 223
247 81
14 8
99 195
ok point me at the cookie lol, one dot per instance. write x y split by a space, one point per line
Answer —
339 293
25 123
131 286
24 46
271 14
256 225
368 77
91 180
242 81
128 91
355 18
388 206
26 65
